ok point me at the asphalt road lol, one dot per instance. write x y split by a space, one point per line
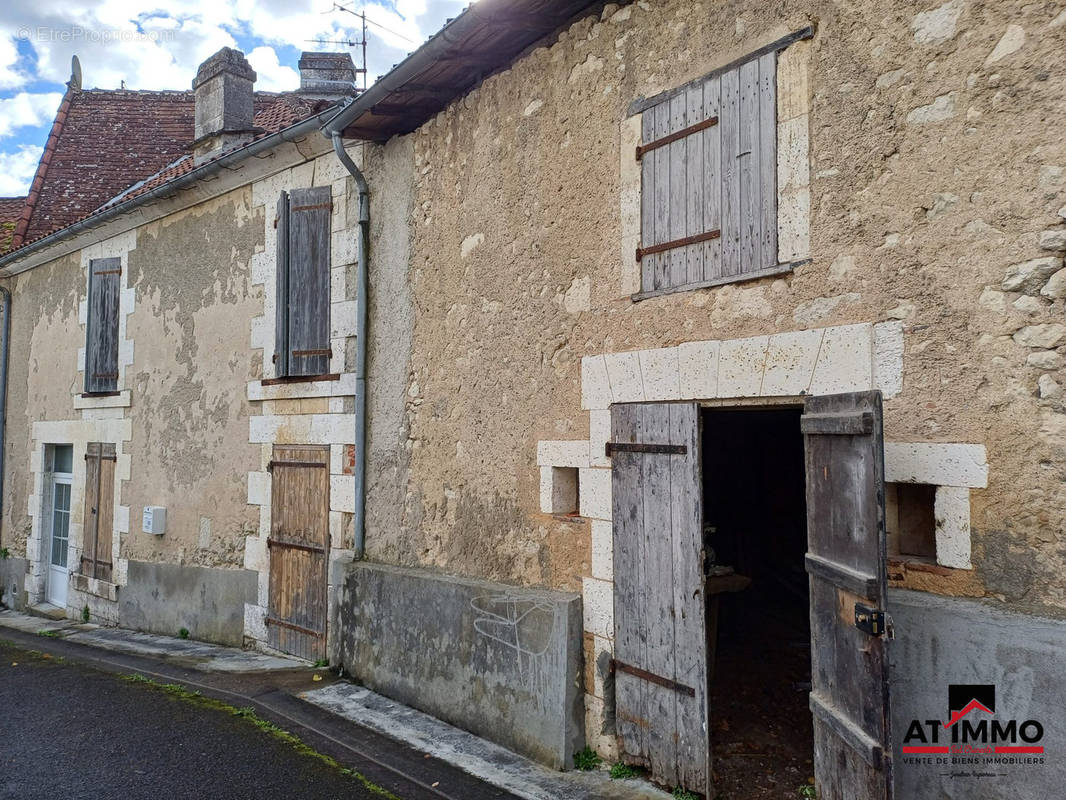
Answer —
69 731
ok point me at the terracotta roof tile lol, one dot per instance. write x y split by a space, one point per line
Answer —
107 146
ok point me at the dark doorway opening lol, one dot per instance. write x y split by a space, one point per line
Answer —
758 605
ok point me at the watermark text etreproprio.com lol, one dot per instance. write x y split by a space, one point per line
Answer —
43 33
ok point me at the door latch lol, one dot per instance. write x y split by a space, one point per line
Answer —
869 620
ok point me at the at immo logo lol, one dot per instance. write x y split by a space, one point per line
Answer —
972 727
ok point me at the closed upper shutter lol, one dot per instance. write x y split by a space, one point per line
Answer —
303 279
101 338
709 180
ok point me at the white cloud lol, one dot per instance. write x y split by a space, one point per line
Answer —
271 75
10 76
25 109
17 169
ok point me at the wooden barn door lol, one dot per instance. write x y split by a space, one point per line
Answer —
99 515
299 550
660 639
846 565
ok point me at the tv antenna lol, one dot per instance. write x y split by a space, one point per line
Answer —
362 43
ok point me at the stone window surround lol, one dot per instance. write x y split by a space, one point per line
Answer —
117 246
334 427
793 175
780 367
77 433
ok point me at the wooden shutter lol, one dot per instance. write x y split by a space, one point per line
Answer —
846 564
303 346
101 340
99 514
709 180
281 281
299 550
660 639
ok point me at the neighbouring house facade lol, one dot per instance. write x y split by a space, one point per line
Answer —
696 331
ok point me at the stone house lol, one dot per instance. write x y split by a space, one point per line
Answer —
713 375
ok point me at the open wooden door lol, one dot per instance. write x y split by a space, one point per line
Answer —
846 566
660 644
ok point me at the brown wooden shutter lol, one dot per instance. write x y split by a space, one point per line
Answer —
660 641
709 193
99 514
308 281
101 339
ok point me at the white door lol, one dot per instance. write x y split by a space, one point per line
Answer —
59 527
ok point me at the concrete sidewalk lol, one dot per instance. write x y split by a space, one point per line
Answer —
352 712
183 652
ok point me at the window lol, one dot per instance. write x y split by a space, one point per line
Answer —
709 180
910 519
101 335
302 346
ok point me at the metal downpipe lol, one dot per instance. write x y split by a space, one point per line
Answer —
5 345
359 514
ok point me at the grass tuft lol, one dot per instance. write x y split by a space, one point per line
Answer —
621 771
587 759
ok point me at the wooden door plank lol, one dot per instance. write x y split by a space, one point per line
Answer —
768 160
659 592
647 204
712 180
730 165
106 518
750 201
686 509
696 185
90 513
628 514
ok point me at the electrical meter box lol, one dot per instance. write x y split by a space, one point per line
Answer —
155 520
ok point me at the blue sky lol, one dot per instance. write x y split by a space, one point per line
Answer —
159 47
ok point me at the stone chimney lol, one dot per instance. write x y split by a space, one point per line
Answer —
327 76
224 103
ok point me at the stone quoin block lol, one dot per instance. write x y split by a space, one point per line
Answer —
595 493
697 364
623 375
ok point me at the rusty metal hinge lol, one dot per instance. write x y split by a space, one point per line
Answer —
642 447
677 135
706 236
651 677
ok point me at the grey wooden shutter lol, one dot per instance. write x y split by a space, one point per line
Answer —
846 563
101 336
308 252
281 283
660 639
709 180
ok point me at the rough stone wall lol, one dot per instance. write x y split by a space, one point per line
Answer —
935 167
190 449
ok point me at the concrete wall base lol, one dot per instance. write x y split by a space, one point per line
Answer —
941 641
209 603
13 582
500 661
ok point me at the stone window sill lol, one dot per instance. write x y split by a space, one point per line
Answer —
337 385
122 399
777 269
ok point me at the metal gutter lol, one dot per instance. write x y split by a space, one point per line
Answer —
206 170
445 45
361 282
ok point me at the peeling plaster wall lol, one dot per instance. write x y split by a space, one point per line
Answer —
191 272
934 170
